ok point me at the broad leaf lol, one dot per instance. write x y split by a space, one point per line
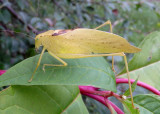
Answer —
42 100
93 71
147 104
149 54
145 64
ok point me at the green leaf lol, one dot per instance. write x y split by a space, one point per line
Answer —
42 100
93 71
5 16
145 64
133 86
128 109
148 103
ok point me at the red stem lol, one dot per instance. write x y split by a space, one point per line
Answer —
139 83
2 71
101 100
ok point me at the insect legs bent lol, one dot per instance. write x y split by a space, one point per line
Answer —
126 65
125 59
64 63
110 25
106 23
39 61
59 59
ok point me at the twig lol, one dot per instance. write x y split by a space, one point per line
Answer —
6 29
19 18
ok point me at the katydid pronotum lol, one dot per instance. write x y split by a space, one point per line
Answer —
82 43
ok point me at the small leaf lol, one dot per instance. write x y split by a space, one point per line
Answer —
5 16
133 86
128 109
42 100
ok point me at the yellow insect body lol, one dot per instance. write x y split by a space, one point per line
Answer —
81 43
78 42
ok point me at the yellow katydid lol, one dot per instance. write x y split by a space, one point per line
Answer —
82 43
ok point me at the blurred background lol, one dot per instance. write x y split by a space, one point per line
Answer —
132 20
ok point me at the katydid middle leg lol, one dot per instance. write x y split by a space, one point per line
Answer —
110 24
106 23
126 65
59 59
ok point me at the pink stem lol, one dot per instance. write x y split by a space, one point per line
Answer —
94 91
139 83
99 96
2 71
101 100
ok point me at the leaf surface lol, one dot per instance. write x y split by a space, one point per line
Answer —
93 71
148 103
128 109
42 100
146 64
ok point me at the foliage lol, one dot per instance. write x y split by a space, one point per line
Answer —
47 101
78 72
134 85
132 20
145 64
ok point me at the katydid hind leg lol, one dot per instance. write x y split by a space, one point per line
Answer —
39 61
106 23
113 65
59 59
130 89
126 65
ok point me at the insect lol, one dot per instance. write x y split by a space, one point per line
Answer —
82 43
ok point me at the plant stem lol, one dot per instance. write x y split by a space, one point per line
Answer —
2 71
101 100
139 83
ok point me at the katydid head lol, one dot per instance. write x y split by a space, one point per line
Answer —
41 37
50 33
37 43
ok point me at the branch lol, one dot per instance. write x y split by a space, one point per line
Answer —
6 29
20 19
